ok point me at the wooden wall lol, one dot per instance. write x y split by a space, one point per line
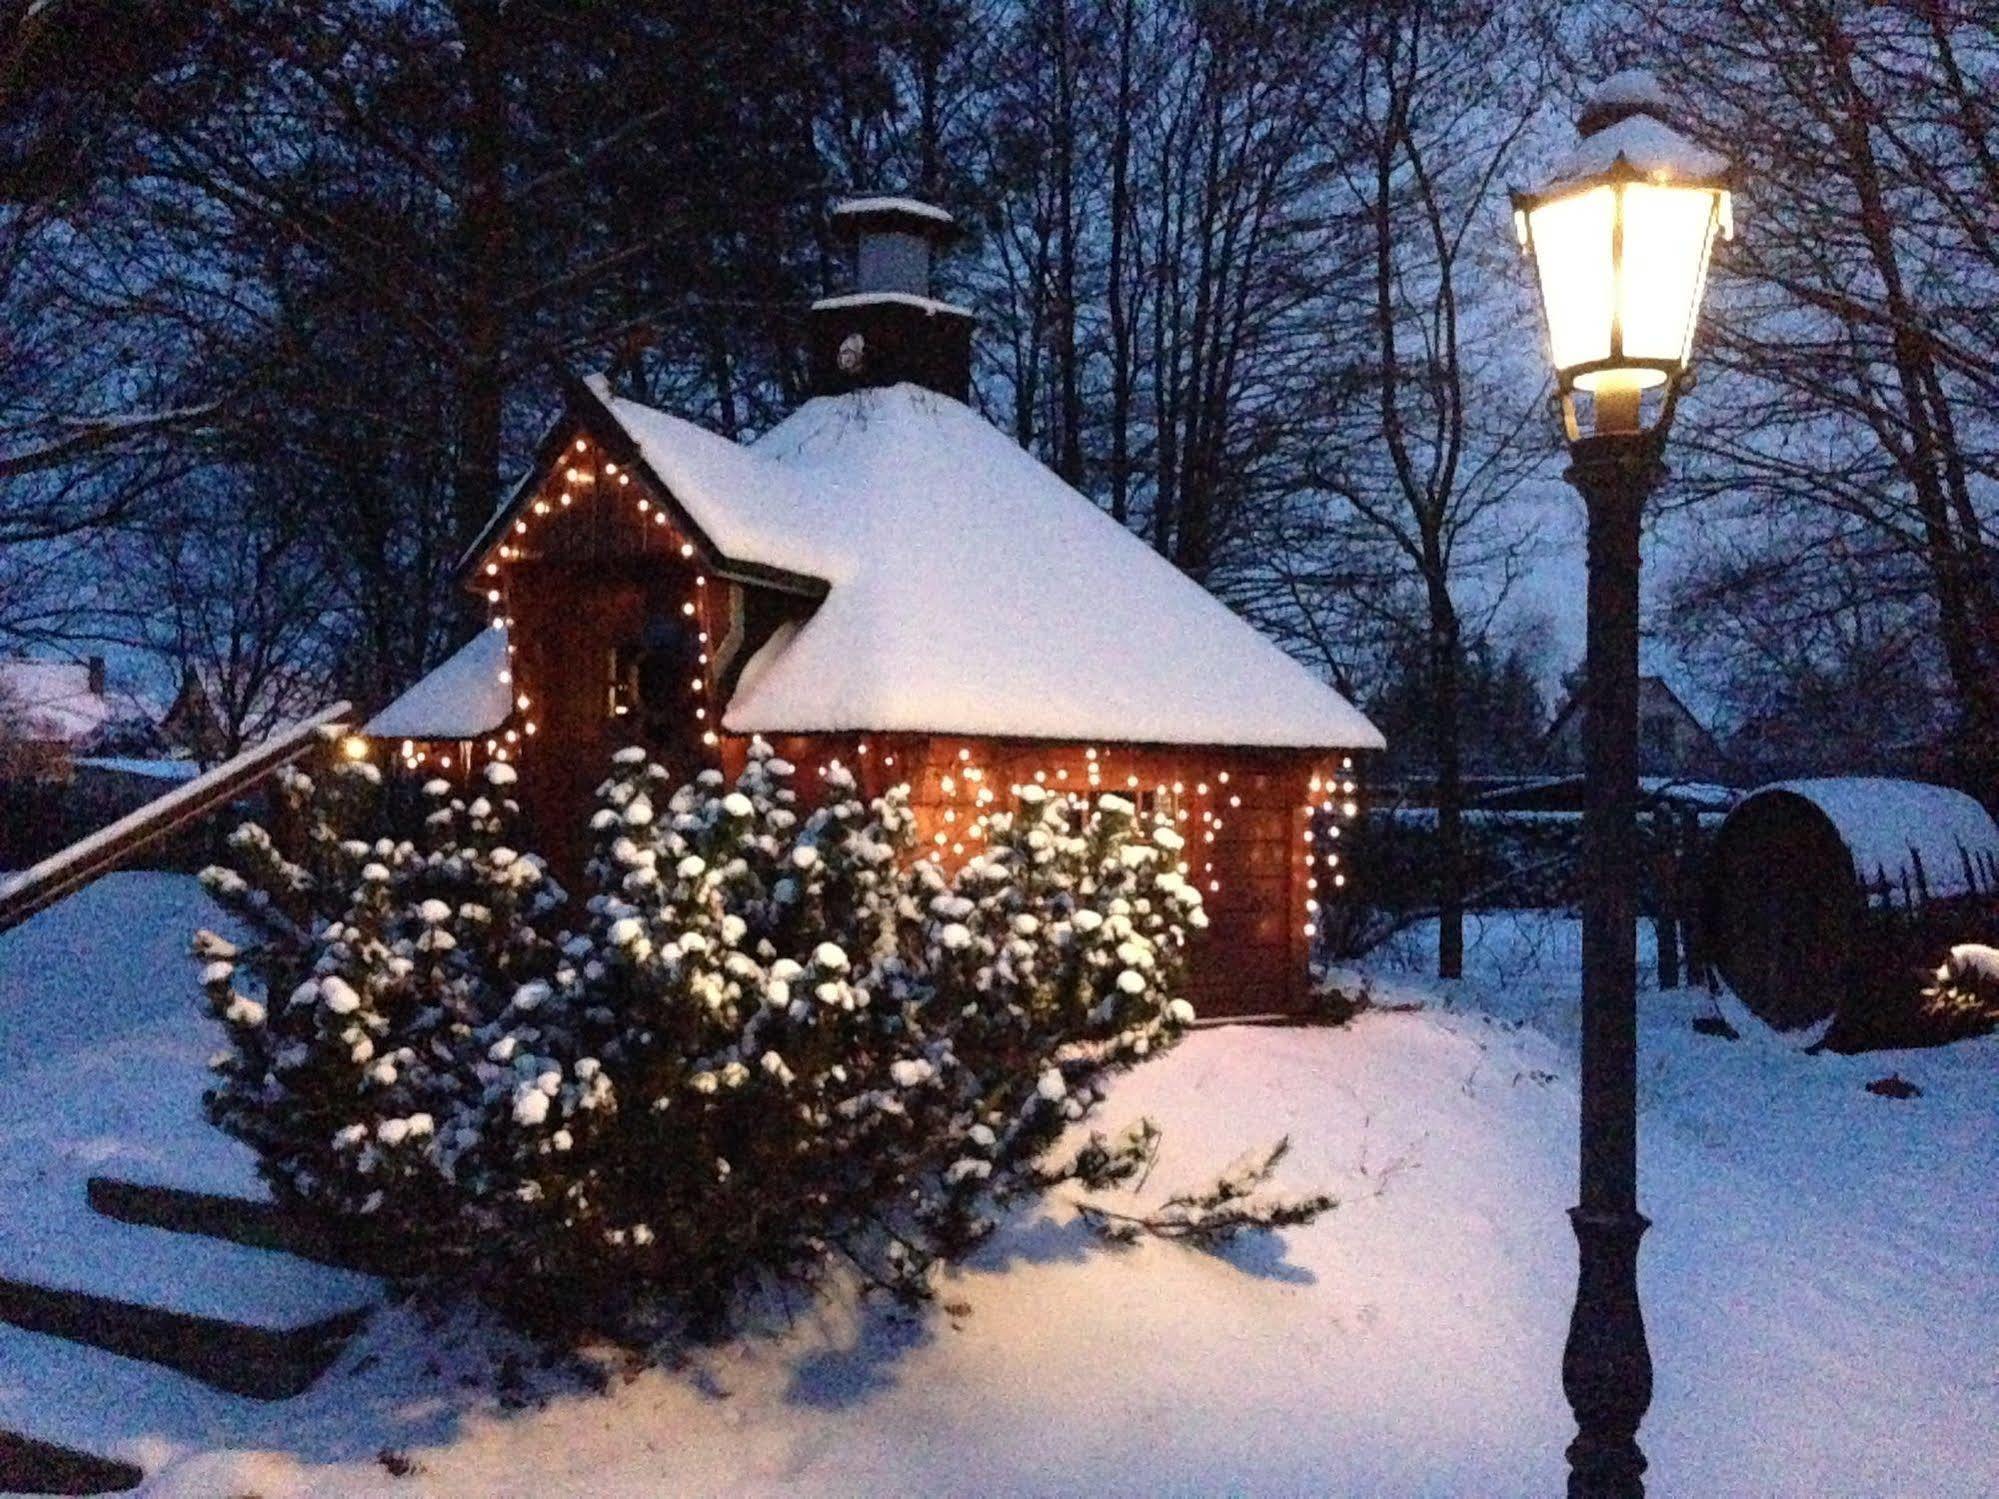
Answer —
1244 813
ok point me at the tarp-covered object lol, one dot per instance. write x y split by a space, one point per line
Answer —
1904 835
1830 903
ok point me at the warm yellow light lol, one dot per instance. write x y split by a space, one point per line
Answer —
1622 267
1667 234
1572 252
354 747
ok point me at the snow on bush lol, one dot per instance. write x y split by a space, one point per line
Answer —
772 1042
1965 988
378 963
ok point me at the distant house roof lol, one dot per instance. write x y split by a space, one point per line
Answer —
1570 793
55 702
1654 694
150 770
968 589
462 698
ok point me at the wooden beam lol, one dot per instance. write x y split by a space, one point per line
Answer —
70 869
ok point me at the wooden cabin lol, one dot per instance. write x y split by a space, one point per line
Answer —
1829 902
887 580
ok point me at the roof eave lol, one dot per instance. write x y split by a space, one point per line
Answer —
587 409
1299 745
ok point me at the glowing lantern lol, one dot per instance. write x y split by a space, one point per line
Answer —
1620 236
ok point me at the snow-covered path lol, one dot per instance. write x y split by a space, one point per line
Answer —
1819 1284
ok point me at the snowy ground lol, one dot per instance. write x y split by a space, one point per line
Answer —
1819 1284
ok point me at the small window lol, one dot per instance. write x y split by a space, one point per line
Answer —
651 687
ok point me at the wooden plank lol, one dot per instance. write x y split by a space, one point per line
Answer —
69 869
30 1466
244 1220
265 1363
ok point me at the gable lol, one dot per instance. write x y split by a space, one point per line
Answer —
596 524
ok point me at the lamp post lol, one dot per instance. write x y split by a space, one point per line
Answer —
1620 235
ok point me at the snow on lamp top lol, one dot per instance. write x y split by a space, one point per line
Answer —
1621 232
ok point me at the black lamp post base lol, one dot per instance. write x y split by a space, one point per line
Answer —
1606 1368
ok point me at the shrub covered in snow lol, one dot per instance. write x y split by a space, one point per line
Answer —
772 1042
353 1014
1964 991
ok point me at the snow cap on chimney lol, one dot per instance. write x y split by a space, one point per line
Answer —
890 329
894 242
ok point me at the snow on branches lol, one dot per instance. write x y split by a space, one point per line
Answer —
1965 988
770 1041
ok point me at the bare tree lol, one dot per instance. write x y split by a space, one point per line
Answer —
1855 317
232 600
1447 432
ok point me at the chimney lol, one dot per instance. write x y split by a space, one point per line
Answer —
95 666
889 329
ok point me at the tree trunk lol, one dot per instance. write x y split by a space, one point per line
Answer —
1666 885
1446 736
1122 372
1068 358
483 241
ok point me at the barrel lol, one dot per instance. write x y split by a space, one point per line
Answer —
1828 903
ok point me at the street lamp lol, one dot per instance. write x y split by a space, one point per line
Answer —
1620 236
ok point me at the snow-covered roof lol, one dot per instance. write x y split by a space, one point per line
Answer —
883 204
461 698
52 700
971 590
1636 87
1889 824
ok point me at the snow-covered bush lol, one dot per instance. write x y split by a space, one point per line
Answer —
375 964
772 1041
805 1046
1964 991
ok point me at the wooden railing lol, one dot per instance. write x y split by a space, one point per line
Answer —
71 868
